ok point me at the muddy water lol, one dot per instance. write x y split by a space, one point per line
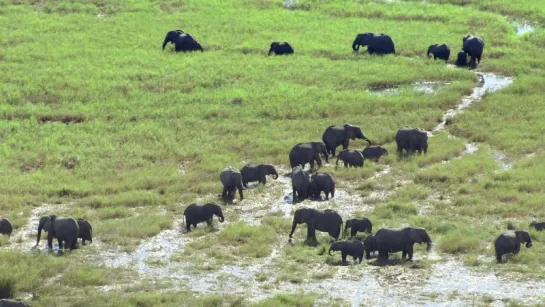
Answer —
490 83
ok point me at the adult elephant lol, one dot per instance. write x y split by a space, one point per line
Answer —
509 242
326 221
322 182
355 225
299 183
376 43
231 179
334 136
350 157
411 140
65 229
461 59
257 172
182 41
280 48
12 303
374 152
85 231
439 51
5 227
473 46
400 240
370 244
304 153
348 248
195 214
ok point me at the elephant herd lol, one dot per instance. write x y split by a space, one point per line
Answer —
379 44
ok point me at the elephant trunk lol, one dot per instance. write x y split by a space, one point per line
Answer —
275 175
221 218
368 141
429 245
293 226
355 46
528 244
330 249
270 51
337 162
40 227
165 42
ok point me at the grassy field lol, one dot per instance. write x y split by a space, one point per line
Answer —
97 121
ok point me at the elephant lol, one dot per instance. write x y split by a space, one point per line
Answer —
376 43
322 182
538 226
280 48
85 231
348 248
350 157
400 240
374 152
5 227
304 153
411 140
326 221
355 225
299 183
473 46
334 136
195 214
12 303
231 179
257 172
509 242
182 41
370 244
65 229
439 51
461 60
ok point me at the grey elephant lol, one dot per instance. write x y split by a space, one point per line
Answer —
509 242
370 244
280 48
350 157
348 248
257 172
322 182
411 140
12 303
461 59
439 51
538 225
361 225
334 136
64 229
85 231
304 153
326 221
5 227
231 179
374 152
195 214
400 240
376 43
299 183
182 41
473 46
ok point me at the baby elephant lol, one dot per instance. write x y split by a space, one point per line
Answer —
321 182
374 152
257 172
348 248
85 231
350 157
280 48
509 242
362 225
370 245
195 214
461 60
538 226
5 227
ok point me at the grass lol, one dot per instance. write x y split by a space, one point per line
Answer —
96 118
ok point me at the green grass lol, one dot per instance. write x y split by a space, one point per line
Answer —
96 118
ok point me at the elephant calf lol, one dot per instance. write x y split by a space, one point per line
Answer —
321 182
348 248
231 179
299 183
350 157
355 225
538 226
280 48
509 242
374 152
257 172
195 214
461 59
411 140
439 51
85 231
5 227
370 244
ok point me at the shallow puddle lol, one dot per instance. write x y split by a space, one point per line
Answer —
523 28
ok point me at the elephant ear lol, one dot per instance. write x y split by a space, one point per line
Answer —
48 224
522 236
416 235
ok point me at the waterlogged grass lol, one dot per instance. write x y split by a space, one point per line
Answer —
97 117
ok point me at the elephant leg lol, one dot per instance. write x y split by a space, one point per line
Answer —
498 258
311 164
83 242
410 253
368 254
343 256
293 193
264 179
188 227
224 192
240 192
353 231
209 222
50 242
326 195
404 254
60 243
311 232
